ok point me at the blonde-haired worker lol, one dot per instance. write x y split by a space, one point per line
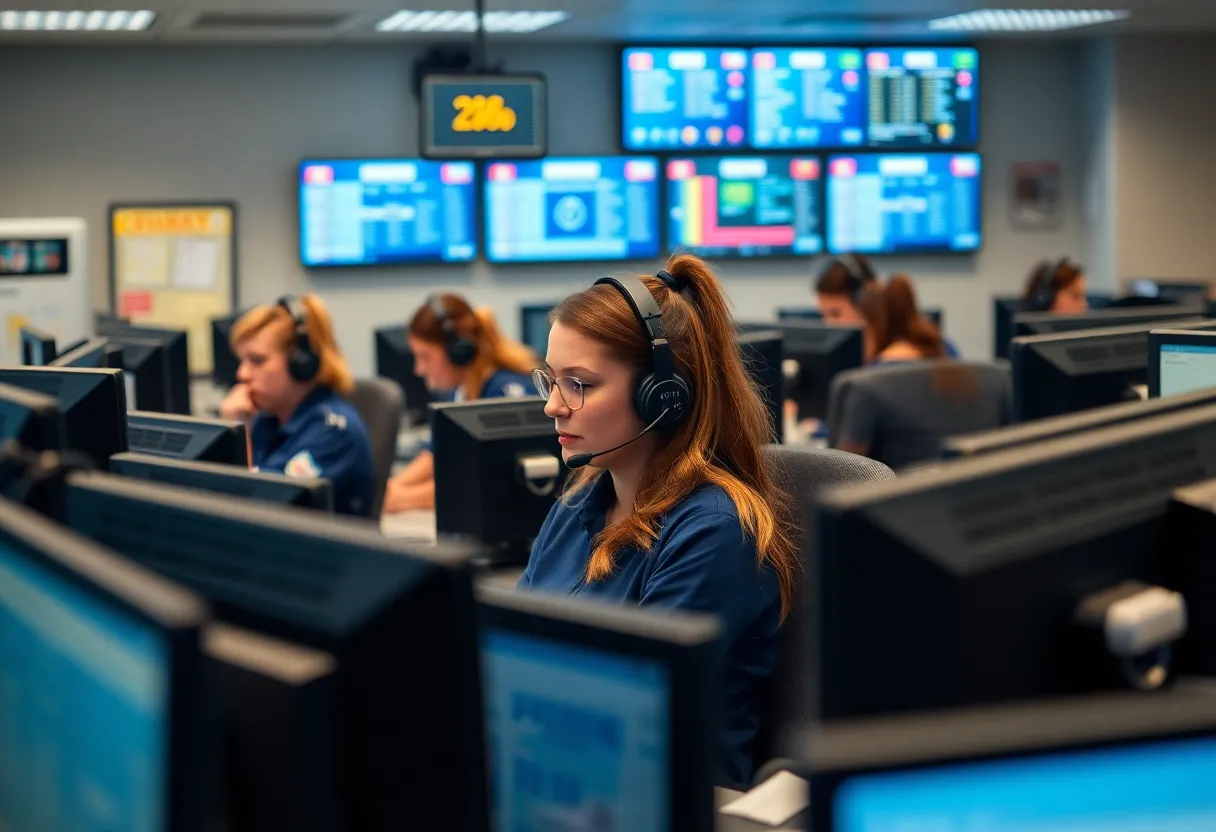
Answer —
289 389
462 355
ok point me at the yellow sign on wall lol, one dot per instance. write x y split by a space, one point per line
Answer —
175 266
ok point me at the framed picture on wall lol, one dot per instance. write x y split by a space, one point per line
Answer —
1034 196
175 265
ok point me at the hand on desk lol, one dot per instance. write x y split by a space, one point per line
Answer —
403 496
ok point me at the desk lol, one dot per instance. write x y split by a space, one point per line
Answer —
410 525
734 823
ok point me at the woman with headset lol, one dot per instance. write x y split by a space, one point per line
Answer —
290 385
1057 287
673 503
839 286
462 355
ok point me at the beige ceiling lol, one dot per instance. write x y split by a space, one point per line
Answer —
611 20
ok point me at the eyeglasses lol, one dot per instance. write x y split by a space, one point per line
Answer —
568 387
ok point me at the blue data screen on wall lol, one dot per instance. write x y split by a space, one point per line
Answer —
807 98
744 206
923 97
885 203
384 211
578 738
684 98
597 208
83 708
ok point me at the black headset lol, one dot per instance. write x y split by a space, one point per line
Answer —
662 388
460 350
1044 285
303 363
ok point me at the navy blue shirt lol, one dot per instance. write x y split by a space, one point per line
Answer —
702 562
504 384
325 437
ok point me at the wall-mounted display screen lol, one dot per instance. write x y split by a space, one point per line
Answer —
807 98
923 97
684 98
885 203
745 206
33 258
364 212
593 208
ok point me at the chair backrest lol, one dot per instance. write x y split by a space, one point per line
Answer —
906 413
381 405
802 471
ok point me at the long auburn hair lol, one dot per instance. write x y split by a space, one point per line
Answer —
892 314
495 351
334 372
719 442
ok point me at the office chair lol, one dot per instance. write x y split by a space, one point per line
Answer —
911 416
788 698
381 405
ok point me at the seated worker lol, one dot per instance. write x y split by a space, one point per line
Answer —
1057 287
673 504
462 356
289 389
840 286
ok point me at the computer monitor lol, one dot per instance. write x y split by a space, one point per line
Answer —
1072 371
399 620
93 404
1046 323
106 319
1176 291
224 363
37 347
94 354
308 492
814 353
30 419
1180 361
103 707
762 355
965 583
188 438
498 470
146 374
1108 762
395 361
175 344
1004 309
534 326
1053 427
598 717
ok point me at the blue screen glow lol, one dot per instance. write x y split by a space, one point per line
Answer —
579 739
887 203
807 98
1164 787
684 98
604 208
83 692
384 211
923 97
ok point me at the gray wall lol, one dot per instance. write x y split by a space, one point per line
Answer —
163 123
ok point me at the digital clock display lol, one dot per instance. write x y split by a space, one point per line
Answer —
483 116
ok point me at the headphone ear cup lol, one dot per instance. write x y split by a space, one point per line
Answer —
303 366
653 395
461 351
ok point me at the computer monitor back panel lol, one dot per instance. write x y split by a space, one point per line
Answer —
957 585
187 438
177 356
93 404
762 355
478 489
1046 323
395 361
31 419
235 481
821 352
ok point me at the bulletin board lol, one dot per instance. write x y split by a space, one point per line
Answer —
174 264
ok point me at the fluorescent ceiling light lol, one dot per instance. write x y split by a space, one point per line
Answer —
76 21
1026 20
451 21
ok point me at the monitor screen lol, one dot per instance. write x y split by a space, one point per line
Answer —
1160 785
593 208
578 737
889 203
923 97
534 326
383 211
807 98
684 98
84 708
1183 368
744 206
33 258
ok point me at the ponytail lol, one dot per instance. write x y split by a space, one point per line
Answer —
905 321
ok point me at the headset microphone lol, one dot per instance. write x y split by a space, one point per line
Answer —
579 460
